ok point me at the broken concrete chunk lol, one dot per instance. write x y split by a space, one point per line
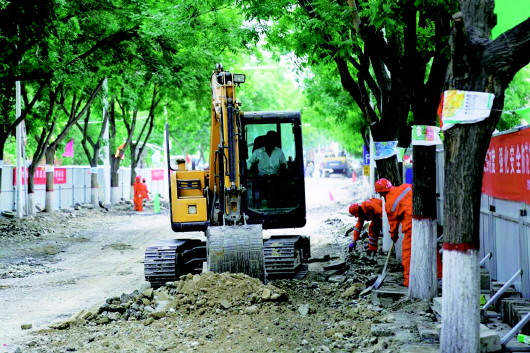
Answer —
383 330
266 295
303 309
489 340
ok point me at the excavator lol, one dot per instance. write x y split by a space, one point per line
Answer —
232 202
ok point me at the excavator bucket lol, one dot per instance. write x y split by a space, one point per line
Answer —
236 249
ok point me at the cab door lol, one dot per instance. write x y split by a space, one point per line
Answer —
275 200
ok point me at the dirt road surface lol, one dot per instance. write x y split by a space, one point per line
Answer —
110 261
100 256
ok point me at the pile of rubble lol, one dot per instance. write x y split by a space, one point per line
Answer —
198 294
21 228
226 313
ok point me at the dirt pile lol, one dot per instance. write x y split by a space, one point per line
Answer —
197 294
224 313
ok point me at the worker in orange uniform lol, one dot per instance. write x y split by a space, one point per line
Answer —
369 210
398 206
146 190
139 193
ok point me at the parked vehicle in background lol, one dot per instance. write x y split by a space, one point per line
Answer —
336 165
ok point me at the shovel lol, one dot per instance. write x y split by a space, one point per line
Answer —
381 277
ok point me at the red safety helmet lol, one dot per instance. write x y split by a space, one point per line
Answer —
383 185
138 177
354 209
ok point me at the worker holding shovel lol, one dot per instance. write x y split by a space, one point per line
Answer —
398 205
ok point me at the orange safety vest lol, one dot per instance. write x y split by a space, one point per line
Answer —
398 205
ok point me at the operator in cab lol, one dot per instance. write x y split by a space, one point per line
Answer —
269 159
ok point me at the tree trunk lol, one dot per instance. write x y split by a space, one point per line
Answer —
31 190
388 168
133 171
465 150
94 187
423 282
477 64
50 160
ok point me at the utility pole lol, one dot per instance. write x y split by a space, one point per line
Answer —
20 165
167 157
106 153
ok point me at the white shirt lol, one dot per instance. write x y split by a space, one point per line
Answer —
267 164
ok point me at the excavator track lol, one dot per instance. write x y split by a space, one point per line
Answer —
167 260
285 255
240 249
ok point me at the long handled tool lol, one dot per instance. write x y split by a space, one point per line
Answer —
381 277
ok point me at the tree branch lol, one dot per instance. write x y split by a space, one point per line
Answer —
507 54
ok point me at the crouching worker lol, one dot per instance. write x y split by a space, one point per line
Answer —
369 210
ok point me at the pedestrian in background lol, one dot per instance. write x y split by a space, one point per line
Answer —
139 193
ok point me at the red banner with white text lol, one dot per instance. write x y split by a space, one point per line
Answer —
59 176
507 167
157 174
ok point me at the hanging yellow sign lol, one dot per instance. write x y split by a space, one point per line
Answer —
366 170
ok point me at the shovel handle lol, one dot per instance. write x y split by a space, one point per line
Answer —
388 257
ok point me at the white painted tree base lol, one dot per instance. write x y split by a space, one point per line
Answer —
387 242
49 207
460 303
115 195
31 204
398 247
94 197
423 283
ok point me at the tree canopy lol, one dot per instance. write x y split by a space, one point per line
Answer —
349 60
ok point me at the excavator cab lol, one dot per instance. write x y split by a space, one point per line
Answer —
275 200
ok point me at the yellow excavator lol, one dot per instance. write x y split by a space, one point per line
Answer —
238 197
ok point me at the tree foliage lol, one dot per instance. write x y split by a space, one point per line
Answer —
383 54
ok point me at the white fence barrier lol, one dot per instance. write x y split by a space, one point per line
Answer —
75 187
504 224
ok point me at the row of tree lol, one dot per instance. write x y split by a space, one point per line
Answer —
392 59
145 58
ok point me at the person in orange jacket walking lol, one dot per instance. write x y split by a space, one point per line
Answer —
139 193
146 190
398 206
369 210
